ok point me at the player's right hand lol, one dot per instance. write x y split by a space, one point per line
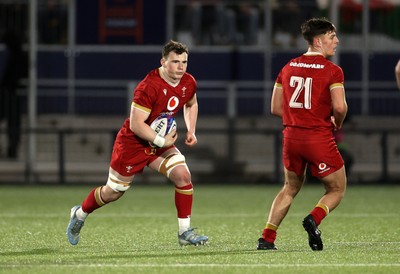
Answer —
333 121
170 138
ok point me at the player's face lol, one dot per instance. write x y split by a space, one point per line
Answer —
175 65
329 43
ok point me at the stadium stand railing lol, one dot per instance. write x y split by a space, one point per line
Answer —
241 150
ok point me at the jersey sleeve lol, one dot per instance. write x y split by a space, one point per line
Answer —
337 78
192 83
278 81
142 98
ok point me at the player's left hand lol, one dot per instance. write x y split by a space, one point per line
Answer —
170 138
191 139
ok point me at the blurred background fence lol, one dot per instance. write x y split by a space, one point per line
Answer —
86 57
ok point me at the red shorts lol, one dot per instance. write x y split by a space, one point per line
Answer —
321 154
130 158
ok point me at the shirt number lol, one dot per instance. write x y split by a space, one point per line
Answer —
300 84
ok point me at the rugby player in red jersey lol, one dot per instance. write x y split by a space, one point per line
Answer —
309 96
164 91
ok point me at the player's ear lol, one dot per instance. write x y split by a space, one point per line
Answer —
162 61
317 41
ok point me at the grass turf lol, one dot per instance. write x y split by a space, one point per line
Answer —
138 234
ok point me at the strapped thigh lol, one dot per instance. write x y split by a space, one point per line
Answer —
170 162
116 184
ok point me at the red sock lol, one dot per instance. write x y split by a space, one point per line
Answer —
318 214
184 200
93 201
269 235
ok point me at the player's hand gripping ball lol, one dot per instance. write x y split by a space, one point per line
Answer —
163 125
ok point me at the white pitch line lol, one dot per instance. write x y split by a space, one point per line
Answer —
206 265
365 243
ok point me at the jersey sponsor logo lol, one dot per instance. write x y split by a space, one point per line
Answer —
305 65
323 168
173 103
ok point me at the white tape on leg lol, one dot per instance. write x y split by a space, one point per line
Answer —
170 163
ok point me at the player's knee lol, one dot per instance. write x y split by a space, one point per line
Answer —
117 185
342 192
110 195
171 162
337 189
182 179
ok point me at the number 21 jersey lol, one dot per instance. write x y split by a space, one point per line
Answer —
307 82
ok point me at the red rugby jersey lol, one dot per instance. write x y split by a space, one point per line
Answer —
156 97
307 81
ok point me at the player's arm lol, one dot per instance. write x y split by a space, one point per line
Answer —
339 105
276 100
190 112
138 116
397 73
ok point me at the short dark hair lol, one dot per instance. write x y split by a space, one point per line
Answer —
314 27
174 46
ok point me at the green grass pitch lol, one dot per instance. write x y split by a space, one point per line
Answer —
138 234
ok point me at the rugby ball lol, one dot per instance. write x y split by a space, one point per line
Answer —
163 125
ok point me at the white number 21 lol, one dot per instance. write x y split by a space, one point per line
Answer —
300 84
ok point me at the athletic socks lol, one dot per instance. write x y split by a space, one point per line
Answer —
93 201
269 232
184 200
183 225
183 203
319 212
80 214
